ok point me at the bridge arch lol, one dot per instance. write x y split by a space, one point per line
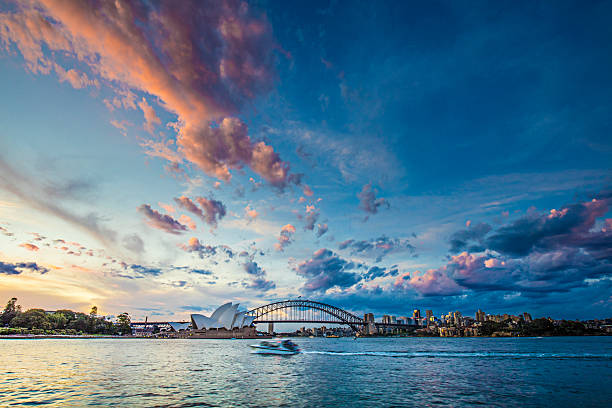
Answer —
300 311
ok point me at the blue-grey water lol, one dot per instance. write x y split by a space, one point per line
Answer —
517 372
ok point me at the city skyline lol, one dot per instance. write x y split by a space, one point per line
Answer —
160 158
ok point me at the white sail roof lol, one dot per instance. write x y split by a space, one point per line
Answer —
225 316
220 310
178 326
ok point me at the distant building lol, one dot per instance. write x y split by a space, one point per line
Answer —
386 319
416 314
457 318
480 316
527 317
368 317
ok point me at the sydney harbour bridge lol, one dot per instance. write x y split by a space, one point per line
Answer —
305 311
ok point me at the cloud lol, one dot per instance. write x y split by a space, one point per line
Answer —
144 270
151 118
201 60
201 272
570 226
378 248
311 217
20 267
46 197
250 213
75 78
321 229
205 251
326 270
186 220
284 239
431 283
214 210
167 208
307 191
29 247
368 201
469 239
161 221
133 243
257 277
187 204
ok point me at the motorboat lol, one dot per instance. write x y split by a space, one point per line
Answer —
279 347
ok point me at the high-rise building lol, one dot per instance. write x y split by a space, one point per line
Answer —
416 314
527 317
386 319
393 319
457 318
428 314
368 317
480 316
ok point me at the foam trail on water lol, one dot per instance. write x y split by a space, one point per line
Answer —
467 354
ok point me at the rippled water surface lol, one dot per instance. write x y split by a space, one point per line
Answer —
520 372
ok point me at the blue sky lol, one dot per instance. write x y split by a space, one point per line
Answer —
378 156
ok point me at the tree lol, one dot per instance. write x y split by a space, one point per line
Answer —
58 320
11 310
32 319
123 323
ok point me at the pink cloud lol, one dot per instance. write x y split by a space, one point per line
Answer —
29 247
151 118
200 65
250 213
307 191
161 221
167 207
285 237
186 220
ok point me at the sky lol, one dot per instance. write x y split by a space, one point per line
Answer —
162 158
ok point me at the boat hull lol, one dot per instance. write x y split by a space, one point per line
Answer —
277 351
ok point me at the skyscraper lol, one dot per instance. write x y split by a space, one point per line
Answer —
416 314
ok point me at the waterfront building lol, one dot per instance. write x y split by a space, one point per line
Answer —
527 317
480 316
416 314
429 316
386 319
393 320
368 317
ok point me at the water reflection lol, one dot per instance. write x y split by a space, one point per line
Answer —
331 372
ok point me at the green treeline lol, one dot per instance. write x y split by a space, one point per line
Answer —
537 327
62 322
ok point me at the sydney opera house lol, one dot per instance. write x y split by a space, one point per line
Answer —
225 322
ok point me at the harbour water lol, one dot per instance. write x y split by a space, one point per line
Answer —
366 372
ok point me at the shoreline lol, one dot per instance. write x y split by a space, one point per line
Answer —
90 337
